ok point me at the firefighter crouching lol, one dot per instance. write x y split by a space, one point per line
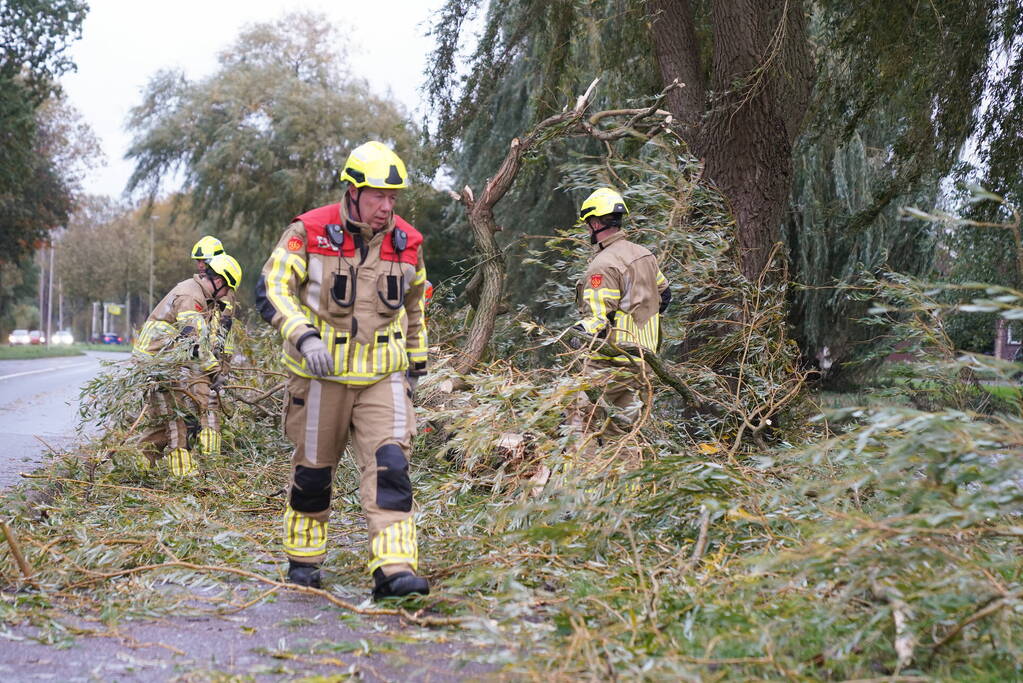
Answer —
183 316
223 347
620 298
345 288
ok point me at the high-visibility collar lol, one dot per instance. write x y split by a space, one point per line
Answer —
608 241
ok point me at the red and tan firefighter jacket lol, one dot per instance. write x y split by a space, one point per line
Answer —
360 291
621 295
186 311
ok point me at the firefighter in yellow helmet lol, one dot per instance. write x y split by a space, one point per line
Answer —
221 326
206 248
345 288
181 321
620 298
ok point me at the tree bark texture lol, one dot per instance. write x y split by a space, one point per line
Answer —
760 78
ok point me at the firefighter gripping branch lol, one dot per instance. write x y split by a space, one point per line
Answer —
189 313
620 297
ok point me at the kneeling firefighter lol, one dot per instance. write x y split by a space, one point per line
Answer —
345 288
184 315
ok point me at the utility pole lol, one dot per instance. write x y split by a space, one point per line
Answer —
49 301
41 260
151 219
60 303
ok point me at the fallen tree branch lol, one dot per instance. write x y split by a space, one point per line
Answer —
95 483
981 613
701 539
905 639
643 123
637 355
253 401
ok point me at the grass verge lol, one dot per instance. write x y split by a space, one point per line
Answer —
122 348
28 352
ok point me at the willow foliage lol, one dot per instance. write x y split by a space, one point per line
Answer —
262 138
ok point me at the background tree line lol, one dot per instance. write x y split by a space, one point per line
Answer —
44 146
816 121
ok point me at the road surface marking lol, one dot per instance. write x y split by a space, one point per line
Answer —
35 372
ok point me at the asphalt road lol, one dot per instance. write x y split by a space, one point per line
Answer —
39 408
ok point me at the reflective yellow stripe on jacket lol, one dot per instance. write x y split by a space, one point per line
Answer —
354 362
416 345
152 331
278 289
627 331
600 301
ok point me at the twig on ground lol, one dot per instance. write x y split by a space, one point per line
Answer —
701 538
19 558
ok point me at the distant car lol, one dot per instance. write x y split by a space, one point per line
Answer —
18 337
36 337
111 338
63 337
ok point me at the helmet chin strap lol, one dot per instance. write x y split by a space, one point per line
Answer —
358 198
216 288
605 225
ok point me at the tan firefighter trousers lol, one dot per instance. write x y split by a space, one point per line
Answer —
169 429
623 389
320 418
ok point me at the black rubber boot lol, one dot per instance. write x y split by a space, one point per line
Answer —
398 585
302 574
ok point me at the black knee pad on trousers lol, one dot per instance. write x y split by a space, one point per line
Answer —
192 427
394 488
311 492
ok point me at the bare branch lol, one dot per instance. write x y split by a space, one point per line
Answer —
643 124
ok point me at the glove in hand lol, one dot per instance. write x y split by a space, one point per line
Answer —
317 358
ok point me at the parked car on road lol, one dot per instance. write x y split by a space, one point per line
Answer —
36 337
63 337
18 337
111 338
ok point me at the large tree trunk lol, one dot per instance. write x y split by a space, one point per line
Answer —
678 56
760 80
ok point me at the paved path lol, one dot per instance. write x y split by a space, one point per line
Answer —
291 638
39 407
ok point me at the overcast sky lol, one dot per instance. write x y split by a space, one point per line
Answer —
125 41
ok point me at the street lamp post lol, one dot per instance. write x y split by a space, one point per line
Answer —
151 219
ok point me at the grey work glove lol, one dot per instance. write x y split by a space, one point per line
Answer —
317 358
413 381
574 342
218 384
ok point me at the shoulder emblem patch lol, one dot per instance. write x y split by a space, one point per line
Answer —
294 244
595 280
198 307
